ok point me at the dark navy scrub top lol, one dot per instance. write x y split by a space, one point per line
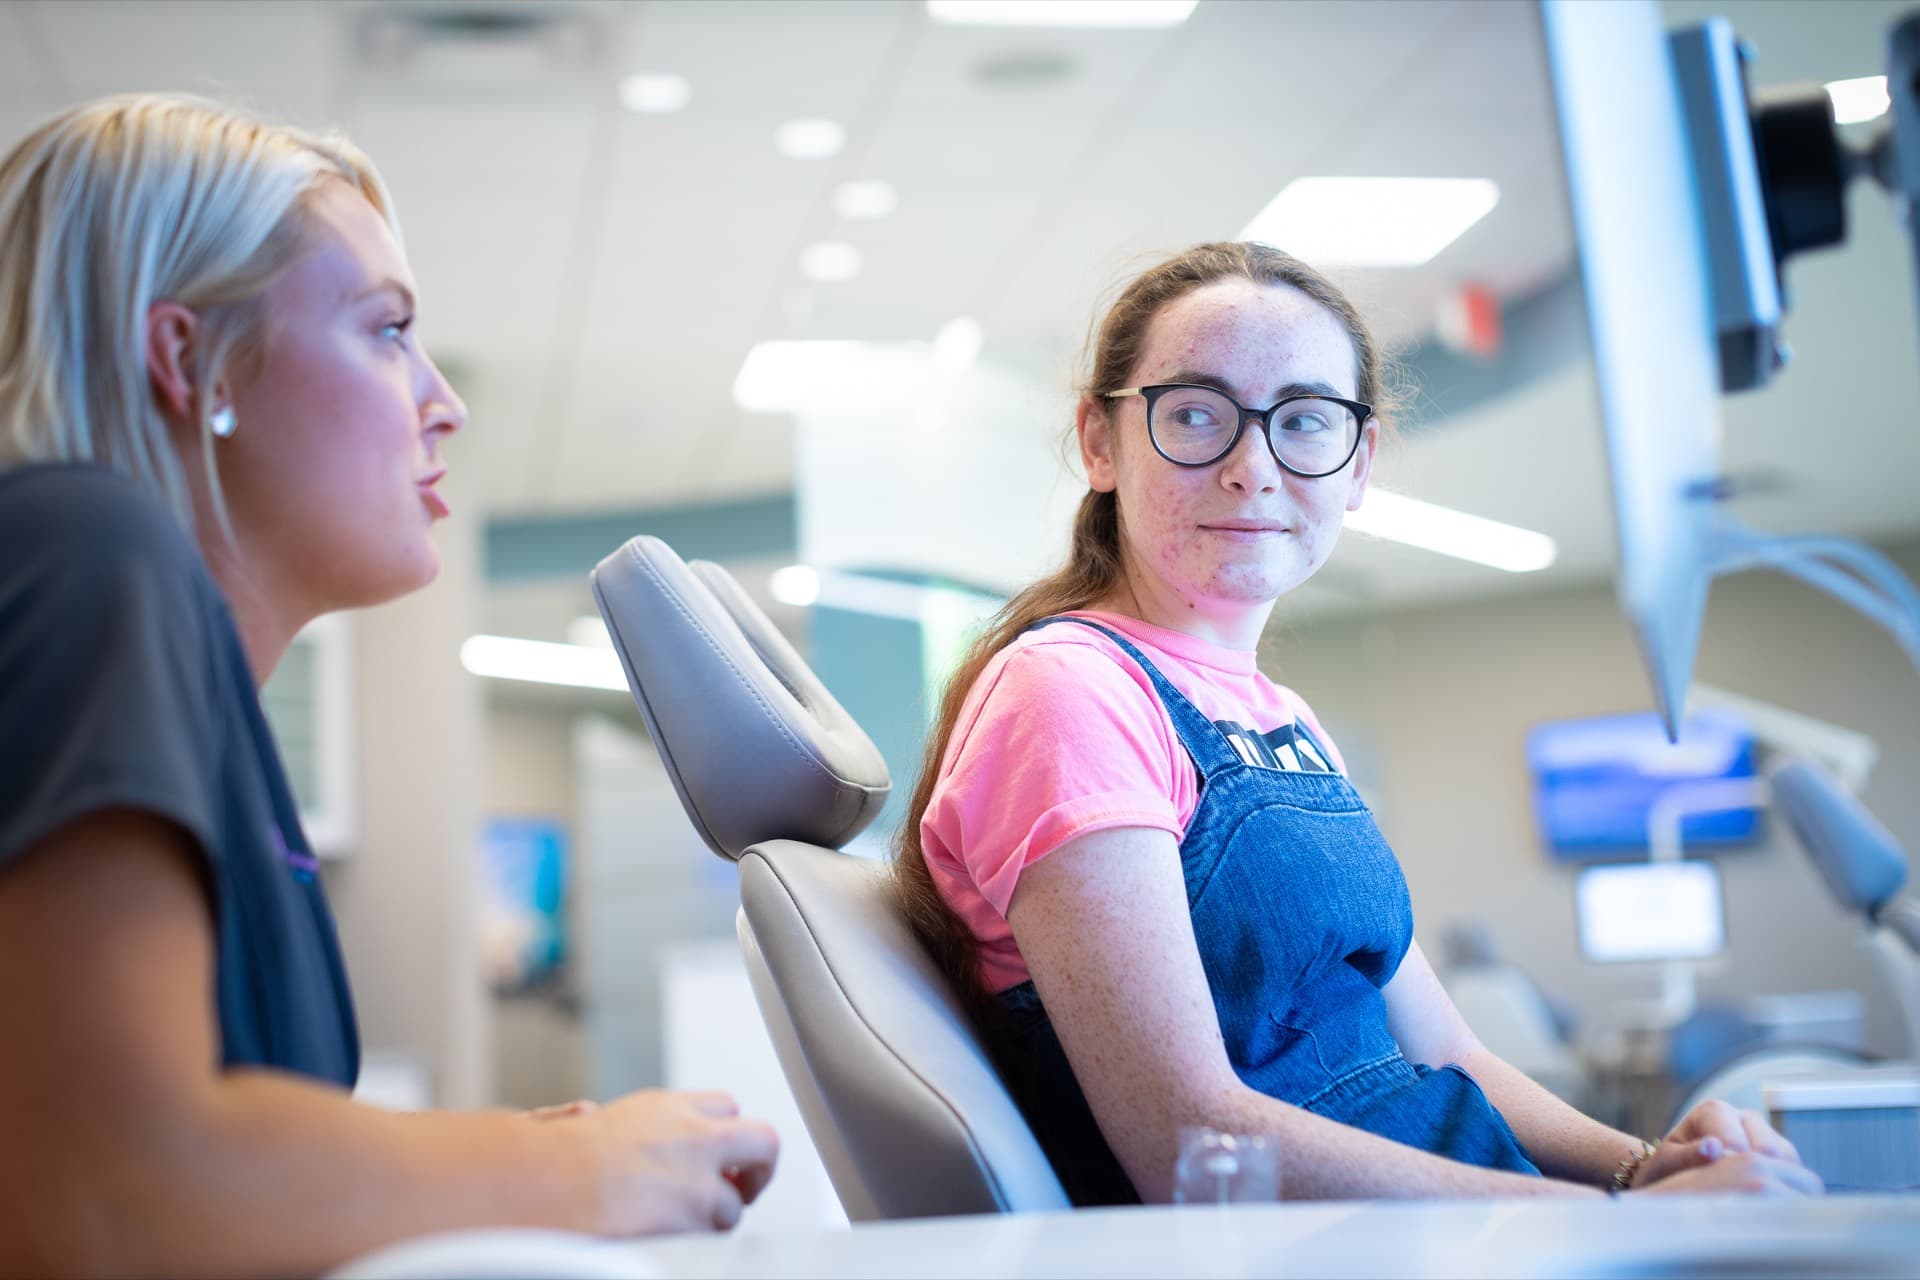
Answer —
123 684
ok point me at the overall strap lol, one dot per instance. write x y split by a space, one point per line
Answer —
1209 747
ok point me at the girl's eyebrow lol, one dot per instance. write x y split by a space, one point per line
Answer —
1288 392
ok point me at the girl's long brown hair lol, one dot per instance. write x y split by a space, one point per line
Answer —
1094 562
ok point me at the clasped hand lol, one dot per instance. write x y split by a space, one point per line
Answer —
669 1161
1718 1148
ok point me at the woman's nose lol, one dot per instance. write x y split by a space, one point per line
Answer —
1250 466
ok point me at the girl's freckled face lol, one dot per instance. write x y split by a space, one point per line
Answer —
1242 531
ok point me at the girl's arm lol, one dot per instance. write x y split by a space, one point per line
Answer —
1562 1141
125 1148
1565 1143
1102 923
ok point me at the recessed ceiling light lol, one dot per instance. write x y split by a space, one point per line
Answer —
830 261
786 375
1061 13
1430 527
1371 222
796 584
958 343
650 93
1860 100
810 139
865 198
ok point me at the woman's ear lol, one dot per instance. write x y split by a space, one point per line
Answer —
1363 462
172 331
1094 425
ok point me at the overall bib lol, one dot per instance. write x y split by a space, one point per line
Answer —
1301 914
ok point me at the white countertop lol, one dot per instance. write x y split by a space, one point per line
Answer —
1837 1236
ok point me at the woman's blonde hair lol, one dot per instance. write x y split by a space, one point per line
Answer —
113 206
1095 560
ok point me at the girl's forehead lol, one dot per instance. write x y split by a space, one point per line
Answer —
1239 325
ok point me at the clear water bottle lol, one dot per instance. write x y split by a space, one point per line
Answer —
1225 1168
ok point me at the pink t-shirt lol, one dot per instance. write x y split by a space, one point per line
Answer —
1063 735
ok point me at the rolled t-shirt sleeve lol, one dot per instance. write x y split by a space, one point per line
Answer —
1064 742
106 662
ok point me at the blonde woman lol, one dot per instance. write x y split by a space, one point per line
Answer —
217 422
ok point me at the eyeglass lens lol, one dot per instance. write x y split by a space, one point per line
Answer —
1195 425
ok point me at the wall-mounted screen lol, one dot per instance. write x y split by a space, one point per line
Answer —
1595 781
1647 911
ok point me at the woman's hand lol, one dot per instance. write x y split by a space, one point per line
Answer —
1739 1130
1706 1134
1747 1152
1732 1173
671 1161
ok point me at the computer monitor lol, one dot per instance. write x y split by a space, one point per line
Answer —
1631 187
1649 911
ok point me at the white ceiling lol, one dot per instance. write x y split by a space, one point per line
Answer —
595 277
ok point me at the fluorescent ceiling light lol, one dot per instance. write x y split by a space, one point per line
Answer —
543 662
844 378
1860 100
809 139
652 93
1371 222
801 584
1061 13
1452 533
830 262
958 343
865 198
589 631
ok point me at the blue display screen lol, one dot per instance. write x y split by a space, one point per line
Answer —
1595 781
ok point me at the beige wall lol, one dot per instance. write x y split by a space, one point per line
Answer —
405 897
1434 707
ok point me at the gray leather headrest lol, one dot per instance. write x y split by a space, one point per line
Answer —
1859 859
755 745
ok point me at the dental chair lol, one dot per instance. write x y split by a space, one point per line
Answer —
900 1097
1864 868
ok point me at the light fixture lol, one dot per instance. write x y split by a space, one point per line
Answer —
795 376
809 139
801 584
958 344
651 93
830 261
542 662
589 631
1399 518
865 198
1858 100
796 584
1061 13
1371 222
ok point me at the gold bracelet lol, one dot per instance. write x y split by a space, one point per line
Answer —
1630 1167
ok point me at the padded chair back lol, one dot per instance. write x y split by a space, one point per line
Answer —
908 1114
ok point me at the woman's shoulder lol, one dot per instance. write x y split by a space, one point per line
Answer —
1055 677
82 524
83 546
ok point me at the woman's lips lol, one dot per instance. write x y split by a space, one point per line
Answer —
1244 530
436 504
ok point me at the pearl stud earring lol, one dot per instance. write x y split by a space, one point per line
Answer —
222 422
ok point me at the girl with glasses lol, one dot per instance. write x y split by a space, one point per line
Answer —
217 422
1140 859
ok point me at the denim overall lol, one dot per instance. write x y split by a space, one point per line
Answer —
1301 915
